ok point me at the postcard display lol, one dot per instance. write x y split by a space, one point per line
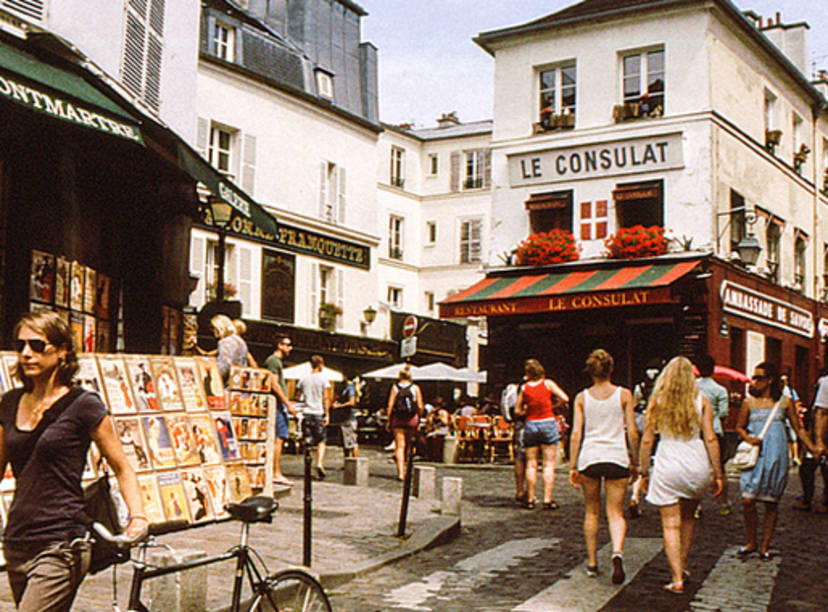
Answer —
171 416
253 411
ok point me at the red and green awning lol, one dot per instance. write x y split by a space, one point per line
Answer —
632 285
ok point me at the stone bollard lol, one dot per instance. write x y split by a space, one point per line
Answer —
181 591
356 471
425 478
450 449
452 494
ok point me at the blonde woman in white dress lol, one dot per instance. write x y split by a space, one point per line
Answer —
687 462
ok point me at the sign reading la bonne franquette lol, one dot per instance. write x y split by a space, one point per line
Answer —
757 306
646 154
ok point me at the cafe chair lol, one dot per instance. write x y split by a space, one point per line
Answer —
500 440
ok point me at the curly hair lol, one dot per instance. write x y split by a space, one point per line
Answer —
672 406
599 364
49 325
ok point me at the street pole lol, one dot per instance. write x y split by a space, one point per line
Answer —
306 528
409 470
220 280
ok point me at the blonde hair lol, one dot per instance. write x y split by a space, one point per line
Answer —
222 325
672 406
599 364
241 326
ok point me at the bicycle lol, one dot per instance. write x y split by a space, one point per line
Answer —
288 590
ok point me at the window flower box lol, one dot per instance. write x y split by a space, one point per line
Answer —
327 315
800 157
550 121
636 241
772 140
543 248
212 291
643 108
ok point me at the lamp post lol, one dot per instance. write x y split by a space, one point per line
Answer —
748 247
221 212
370 315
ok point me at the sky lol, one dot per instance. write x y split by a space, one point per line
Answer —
428 64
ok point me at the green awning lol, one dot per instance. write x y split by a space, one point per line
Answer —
61 94
197 167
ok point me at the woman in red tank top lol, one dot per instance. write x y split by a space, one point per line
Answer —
535 401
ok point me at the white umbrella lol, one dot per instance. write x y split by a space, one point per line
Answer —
301 370
473 375
437 371
391 371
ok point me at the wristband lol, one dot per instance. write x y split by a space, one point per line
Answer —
138 516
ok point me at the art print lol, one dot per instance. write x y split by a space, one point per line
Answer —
62 273
89 290
183 444
89 334
87 375
102 296
210 379
151 497
158 442
192 393
238 481
173 499
132 440
166 383
103 337
198 495
143 384
76 327
42 278
257 477
116 385
78 274
218 488
9 360
226 438
204 435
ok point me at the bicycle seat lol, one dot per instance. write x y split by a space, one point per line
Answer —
255 509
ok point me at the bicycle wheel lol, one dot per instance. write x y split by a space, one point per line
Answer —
291 591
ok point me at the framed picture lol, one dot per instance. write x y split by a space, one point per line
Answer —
42 277
62 273
103 339
173 500
9 359
218 489
142 382
102 296
204 436
76 279
152 498
192 393
132 439
228 444
198 495
210 378
158 441
183 444
239 482
88 376
90 288
166 383
76 327
89 326
116 384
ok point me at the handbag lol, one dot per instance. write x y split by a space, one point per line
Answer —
99 507
746 453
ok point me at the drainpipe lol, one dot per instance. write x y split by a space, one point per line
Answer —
816 110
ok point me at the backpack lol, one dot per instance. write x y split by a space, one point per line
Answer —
405 404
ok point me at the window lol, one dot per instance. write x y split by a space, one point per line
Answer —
332 201
644 78
594 220
397 167
558 90
395 295
550 210
433 164
639 204
824 167
470 240
241 267
326 287
800 247
429 301
28 9
224 39
324 84
431 233
770 110
395 237
796 132
474 169
143 50
220 151
773 235
738 220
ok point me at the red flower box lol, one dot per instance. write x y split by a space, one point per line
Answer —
636 241
554 246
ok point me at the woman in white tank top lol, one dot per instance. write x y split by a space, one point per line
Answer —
598 450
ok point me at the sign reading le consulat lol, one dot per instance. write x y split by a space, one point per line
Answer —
659 152
763 308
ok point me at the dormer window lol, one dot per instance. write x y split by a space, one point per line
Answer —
324 84
224 39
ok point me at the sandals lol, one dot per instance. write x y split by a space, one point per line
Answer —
677 588
634 510
550 505
744 551
529 504
765 556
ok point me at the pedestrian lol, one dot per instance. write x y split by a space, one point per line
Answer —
438 422
275 364
807 472
687 462
316 411
508 400
599 452
641 396
536 402
404 409
241 330
46 552
232 349
719 400
348 426
767 480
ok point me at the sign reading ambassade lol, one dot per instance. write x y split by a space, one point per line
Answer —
757 306
618 157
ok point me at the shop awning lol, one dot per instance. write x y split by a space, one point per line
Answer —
61 94
573 289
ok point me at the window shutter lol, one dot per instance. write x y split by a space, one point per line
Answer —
211 35
156 16
455 170
487 168
475 239
29 9
340 296
323 188
313 305
133 64
198 246
152 90
202 134
246 279
248 176
342 201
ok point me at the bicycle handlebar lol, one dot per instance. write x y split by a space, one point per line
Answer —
121 540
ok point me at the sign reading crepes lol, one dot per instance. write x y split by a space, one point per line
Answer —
757 306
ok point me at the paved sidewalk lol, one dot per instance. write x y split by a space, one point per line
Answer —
354 532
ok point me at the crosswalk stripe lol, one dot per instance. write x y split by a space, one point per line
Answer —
578 592
469 573
734 582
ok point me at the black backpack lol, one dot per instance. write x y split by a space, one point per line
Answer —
405 404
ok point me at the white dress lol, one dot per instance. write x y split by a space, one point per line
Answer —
682 468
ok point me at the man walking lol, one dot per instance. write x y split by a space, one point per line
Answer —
277 383
346 403
717 395
316 412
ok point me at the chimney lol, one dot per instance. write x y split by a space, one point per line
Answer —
791 39
448 119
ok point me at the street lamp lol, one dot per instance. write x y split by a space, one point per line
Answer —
221 212
748 247
370 315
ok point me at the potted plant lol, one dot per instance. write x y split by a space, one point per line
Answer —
772 139
554 246
800 157
229 290
636 241
327 314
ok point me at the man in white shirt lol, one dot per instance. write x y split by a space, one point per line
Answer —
316 412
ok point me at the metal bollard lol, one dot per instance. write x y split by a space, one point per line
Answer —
425 478
182 591
409 464
308 507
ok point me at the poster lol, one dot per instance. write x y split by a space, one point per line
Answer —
115 384
89 290
189 335
62 282
76 327
151 497
166 383
103 340
224 433
88 334
102 296
5 382
218 488
278 285
10 365
87 375
142 382
192 393
210 378
76 279
132 439
172 497
198 495
256 474
158 441
182 440
238 481
42 278
204 436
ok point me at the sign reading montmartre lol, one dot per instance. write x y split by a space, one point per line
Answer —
645 154
757 306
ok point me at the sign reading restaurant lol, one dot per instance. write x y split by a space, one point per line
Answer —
645 154
757 306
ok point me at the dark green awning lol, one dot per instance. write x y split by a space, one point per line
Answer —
61 94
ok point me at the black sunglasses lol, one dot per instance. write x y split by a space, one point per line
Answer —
759 377
37 345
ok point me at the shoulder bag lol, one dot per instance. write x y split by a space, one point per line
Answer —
746 453
99 507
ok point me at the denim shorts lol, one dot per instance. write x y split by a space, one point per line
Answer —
540 432
282 431
313 429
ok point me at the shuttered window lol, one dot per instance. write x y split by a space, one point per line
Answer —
470 240
332 201
143 50
29 9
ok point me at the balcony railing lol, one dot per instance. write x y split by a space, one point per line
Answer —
395 253
397 181
473 183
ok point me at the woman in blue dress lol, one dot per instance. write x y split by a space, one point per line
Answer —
767 480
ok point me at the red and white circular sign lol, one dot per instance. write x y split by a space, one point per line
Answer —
409 326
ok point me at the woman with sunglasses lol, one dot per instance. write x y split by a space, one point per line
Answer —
767 480
45 431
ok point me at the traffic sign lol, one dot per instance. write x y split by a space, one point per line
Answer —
408 346
409 327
